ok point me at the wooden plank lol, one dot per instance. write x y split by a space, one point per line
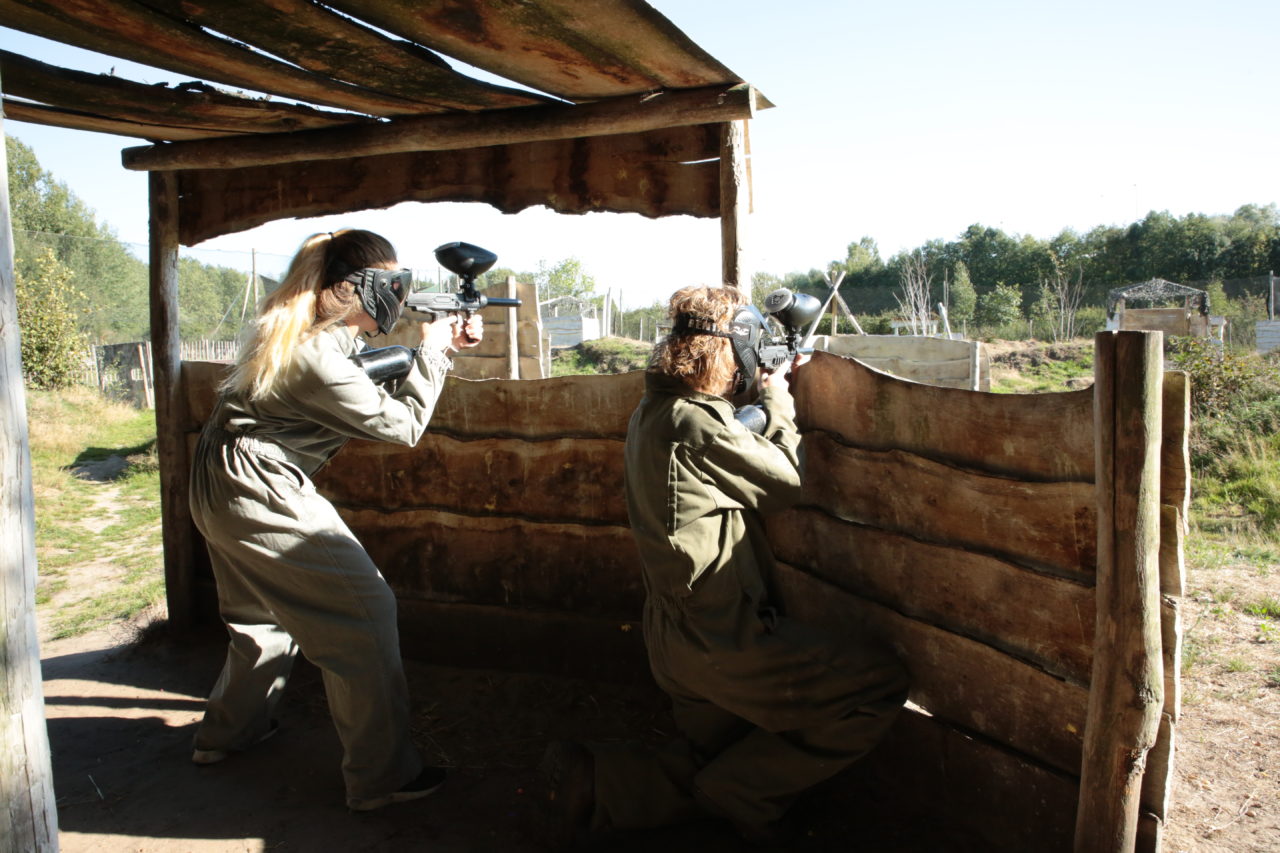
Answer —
572 480
658 173
1043 620
492 367
1175 446
1171 654
36 114
508 638
457 131
337 47
933 772
30 818
1047 526
1157 776
1127 689
478 559
734 204
608 48
1034 437
195 106
175 465
868 348
561 407
132 31
930 372
956 679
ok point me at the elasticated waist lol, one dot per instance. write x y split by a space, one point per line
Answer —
254 444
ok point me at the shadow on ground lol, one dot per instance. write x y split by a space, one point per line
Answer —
121 719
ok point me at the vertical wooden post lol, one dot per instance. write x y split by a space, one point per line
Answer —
1126 690
171 440
513 331
734 203
28 812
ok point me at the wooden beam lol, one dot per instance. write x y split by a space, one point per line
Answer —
455 131
1126 690
29 819
53 117
171 445
733 204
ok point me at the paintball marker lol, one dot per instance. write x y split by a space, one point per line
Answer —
465 261
793 312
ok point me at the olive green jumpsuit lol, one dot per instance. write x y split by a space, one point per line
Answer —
767 706
290 574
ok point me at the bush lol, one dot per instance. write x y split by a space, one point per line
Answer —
1223 383
604 355
53 348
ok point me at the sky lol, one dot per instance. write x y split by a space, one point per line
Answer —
902 121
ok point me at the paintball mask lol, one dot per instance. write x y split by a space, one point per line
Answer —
382 293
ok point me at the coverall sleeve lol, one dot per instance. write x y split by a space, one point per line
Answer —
761 472
336 393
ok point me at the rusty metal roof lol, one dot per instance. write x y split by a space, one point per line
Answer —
312 65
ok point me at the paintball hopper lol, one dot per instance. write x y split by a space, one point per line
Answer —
465 261
793 310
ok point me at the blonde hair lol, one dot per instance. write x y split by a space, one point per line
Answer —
313 296
704 362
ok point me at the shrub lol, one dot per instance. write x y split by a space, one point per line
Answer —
53 348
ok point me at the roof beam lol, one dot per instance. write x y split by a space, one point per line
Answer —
629 114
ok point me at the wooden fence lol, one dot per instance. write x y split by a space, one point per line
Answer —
989 538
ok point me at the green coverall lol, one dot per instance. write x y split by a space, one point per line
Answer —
766 705
290 573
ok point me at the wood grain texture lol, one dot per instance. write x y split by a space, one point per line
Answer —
1126 688
1045 621
575 480
561 407
1032 437
442 556
657 173
1044 525
958 680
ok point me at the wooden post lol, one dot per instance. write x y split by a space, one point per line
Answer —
171 440
513 331
1126 690
28 813
734 203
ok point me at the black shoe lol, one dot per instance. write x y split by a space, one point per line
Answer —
427 782
569 769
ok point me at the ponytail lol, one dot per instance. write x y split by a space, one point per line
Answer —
312 297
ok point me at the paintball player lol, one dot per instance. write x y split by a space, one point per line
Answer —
766 706
290 574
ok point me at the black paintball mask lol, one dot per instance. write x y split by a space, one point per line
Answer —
746 330
382 293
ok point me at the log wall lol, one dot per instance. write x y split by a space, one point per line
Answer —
961 527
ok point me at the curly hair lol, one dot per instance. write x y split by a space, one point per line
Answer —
704 362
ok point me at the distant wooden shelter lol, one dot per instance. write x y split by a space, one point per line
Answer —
1190 319
1048 718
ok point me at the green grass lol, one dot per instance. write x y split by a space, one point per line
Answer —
97 544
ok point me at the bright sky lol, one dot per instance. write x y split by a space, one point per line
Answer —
903 121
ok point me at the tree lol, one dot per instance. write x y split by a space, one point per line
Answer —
1000 306
48 215
914 301
567 278
964 299
53 348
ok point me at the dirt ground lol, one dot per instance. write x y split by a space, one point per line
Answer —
121 716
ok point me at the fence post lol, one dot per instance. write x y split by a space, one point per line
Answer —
1126 689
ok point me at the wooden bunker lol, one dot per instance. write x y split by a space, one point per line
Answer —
1022 552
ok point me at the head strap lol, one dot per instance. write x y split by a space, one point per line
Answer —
696 324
